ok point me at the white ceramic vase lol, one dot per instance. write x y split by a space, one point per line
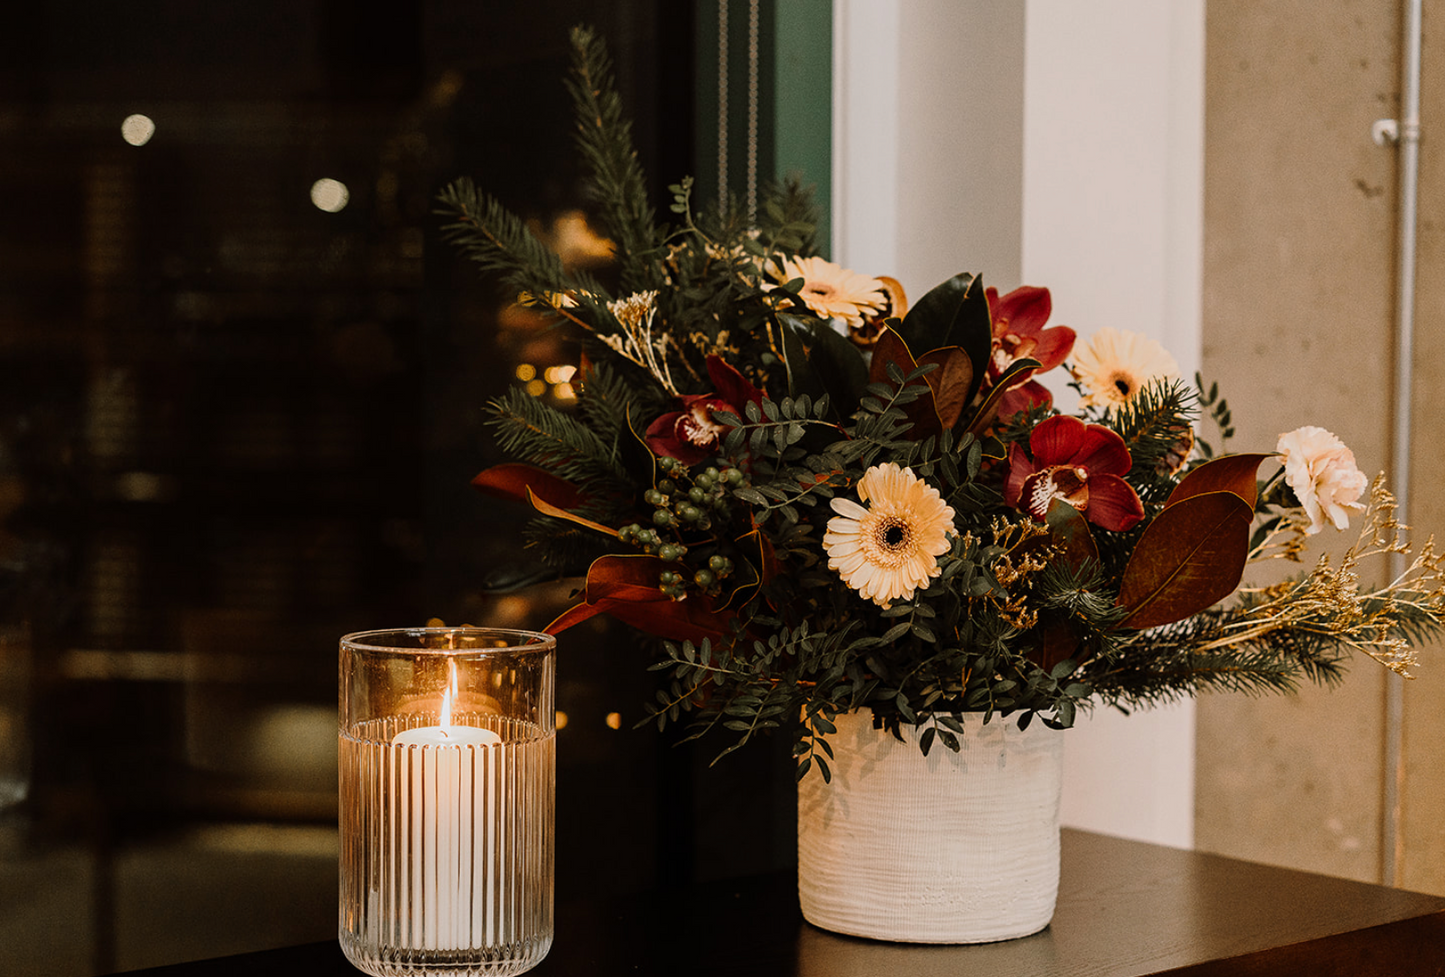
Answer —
949 848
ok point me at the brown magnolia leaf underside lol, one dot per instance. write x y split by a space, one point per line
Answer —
951 382
548 509
1231 473
514 480
627 588
1191 557
923 412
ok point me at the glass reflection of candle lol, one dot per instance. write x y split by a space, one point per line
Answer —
450 776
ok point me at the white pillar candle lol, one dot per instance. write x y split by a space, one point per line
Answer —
445 807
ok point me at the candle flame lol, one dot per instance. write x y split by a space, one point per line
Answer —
445 720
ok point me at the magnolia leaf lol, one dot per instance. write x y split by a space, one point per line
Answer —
514 481
952 383
989 408
929 320
891 351
954 313
767 561
1191 557
801 376
992 448
625 578
1228 473
757 566
635 453
547 509
838 367
626 587
821 362
1056 645
1069 530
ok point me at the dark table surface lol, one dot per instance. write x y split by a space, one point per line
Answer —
1125 909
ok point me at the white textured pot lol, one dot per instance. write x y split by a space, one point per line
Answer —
949 848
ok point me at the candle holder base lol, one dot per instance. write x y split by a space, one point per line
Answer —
498 961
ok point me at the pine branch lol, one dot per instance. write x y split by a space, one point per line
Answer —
604 138
563 545
527 428
499 242
609 399
1152 425
1189 657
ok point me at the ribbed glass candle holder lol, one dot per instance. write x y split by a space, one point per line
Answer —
447 780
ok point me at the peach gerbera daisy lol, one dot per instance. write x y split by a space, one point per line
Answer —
832 291
1115 365
891 548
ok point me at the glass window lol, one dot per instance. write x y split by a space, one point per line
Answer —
243 402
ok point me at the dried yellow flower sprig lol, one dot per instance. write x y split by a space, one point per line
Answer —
1328 602
635 314
1013 570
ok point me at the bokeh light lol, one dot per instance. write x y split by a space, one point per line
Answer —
329 195
137 129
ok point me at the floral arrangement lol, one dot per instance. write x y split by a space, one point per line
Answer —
821 498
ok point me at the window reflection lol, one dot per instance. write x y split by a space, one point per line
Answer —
242 409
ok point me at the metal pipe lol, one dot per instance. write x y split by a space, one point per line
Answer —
1407 138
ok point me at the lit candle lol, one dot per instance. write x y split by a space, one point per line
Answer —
449 777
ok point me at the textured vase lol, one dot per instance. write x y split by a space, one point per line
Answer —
949 848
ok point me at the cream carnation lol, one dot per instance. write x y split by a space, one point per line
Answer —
1322 473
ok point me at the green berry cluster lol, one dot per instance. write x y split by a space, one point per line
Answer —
684 507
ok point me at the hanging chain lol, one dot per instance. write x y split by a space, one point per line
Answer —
754 98
753 7
722 106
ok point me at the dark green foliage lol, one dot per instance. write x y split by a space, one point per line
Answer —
1218 411
499 242
615 178
1151 425
1166 665
528 429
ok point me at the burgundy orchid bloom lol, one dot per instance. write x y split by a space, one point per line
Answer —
691 434
1081 464
1018 333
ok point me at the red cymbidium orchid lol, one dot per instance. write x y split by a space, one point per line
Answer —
691 435
1079 463
1019 333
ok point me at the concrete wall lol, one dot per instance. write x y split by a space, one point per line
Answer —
1299 286
1420 861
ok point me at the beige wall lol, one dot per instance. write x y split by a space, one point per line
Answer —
1422 861
1299 285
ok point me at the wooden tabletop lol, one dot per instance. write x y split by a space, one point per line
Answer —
1125 909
